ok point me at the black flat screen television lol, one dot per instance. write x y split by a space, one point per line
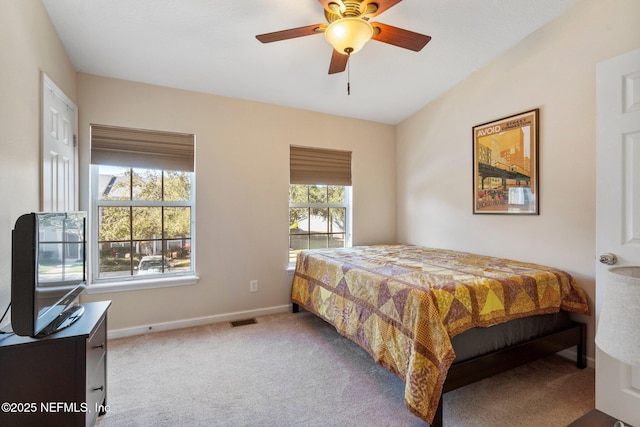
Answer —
48 271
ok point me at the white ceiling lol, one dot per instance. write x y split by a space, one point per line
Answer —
210 46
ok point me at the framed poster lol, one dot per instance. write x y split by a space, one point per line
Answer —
505 165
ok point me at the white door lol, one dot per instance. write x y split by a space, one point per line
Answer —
617 213
59 150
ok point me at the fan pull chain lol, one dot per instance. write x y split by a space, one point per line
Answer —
348 78
348 50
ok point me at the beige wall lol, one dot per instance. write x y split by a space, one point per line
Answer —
553 70
28 45
242 167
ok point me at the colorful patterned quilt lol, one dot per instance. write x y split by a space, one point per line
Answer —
403 303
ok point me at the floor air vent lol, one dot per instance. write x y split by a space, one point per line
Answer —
243 322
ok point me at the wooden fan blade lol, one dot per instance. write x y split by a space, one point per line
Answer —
399 37
338 62
291 33
382 6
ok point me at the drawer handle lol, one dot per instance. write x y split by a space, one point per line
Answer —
99 346
98 388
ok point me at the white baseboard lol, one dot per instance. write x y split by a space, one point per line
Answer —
196 321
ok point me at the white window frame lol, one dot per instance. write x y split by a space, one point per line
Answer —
127 283
348 216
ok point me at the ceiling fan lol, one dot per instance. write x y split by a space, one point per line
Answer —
348 29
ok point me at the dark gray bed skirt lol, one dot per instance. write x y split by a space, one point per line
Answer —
479 341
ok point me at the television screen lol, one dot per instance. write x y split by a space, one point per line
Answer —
48 271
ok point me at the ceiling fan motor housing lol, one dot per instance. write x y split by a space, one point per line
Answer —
350 9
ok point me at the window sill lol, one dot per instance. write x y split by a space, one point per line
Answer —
134 285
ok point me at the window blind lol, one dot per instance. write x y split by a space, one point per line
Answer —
310 166
138 148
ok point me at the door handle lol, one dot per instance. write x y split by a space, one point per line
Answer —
608 259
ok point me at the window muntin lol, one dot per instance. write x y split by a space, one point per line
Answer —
318 217
143 223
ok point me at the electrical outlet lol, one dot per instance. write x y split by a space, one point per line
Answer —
253 286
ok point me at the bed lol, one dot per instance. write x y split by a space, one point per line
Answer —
441 319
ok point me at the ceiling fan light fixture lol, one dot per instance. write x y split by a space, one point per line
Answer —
348 35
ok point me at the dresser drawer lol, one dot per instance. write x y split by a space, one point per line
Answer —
96 391
96 372
96 347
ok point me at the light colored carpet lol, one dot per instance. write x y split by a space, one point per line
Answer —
296 370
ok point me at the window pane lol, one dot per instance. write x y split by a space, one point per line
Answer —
179 254
152 264
336 194
298 243
148 258
177 222
317 194
114 183
318 241
115 259
298 193
147 223
114 223
147 184
319 220
298 220
336 240
143 248
337 219
177 186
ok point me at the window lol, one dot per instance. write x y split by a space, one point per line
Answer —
319 199
318 217
142 205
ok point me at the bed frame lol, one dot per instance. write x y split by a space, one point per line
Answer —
490 364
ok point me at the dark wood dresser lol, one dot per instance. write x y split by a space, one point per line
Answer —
57 380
